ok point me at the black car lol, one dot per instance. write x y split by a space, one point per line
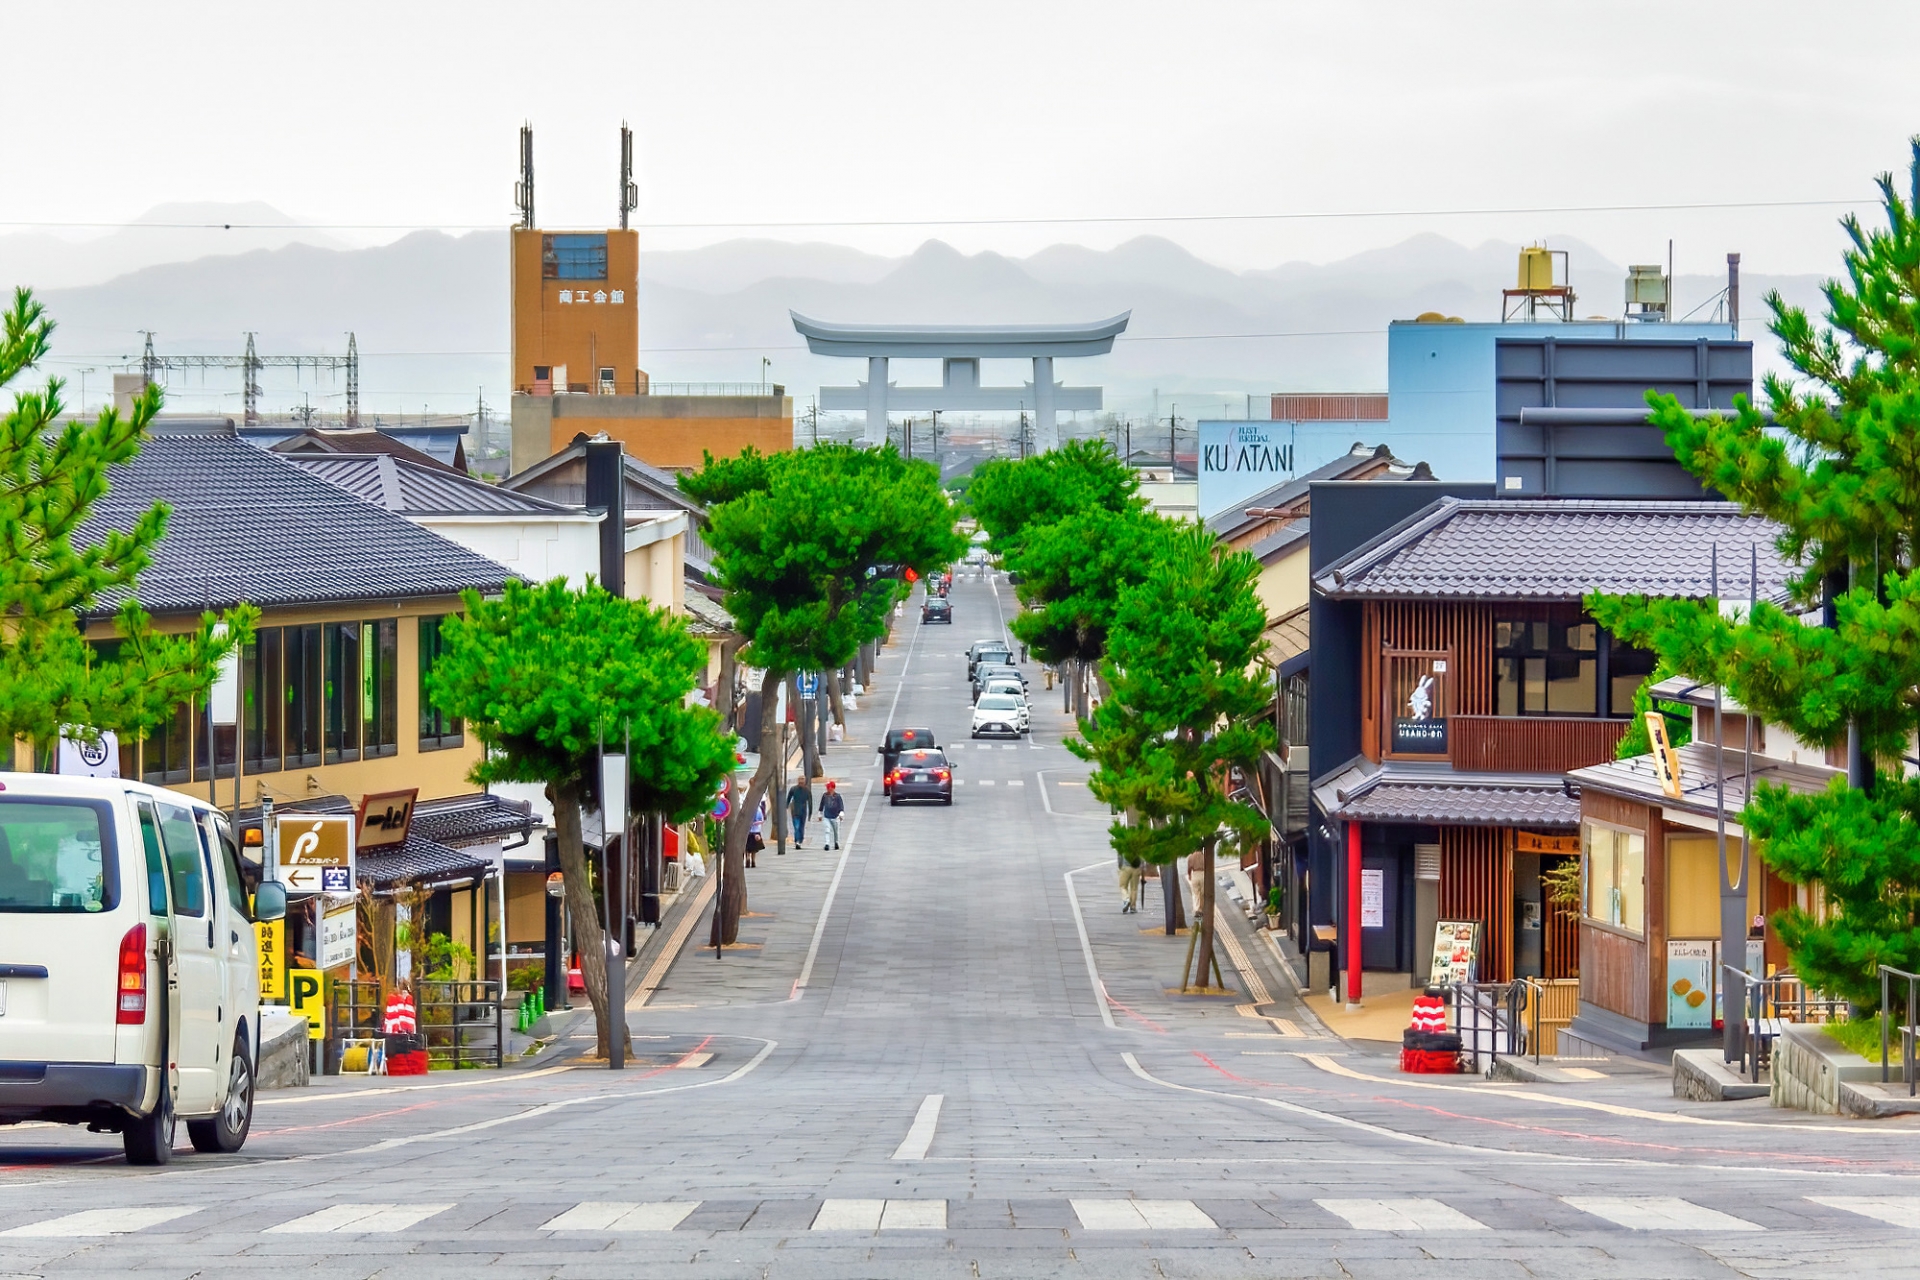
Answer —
897 741
937 610
987 651
921 775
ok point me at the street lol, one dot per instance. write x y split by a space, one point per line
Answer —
944 1051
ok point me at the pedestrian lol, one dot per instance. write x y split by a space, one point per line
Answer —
756 832
1130 876
799 809
831 807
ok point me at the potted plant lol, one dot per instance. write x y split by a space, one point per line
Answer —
1273 907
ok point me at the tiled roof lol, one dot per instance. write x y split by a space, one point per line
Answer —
1235 521
474 819
248 525
1636 779
419 861
415 489
705 618
1464 805
355 442
1560 549
441 829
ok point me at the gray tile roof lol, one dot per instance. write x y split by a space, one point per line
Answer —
1635 779
411 489
419 861
1428 803
249 525
1235 521
1560 549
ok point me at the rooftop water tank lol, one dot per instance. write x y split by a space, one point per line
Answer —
1536 268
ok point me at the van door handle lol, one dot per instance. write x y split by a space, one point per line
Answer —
209 935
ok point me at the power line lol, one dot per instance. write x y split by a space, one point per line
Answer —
1091 220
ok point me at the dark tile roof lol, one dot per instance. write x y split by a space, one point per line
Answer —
354 442
412 489
648 486
419 861
1560 549
1429 803
1235 521
473 819
248 525
441 446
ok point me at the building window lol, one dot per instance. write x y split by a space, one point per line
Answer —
1545 666
438 730
165 756
302 692
1627 669
260 686
573 257
1616 876
380 687
342 642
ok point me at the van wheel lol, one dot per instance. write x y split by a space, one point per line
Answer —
227 1132
148 1139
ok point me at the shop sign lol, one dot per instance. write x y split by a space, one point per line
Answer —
1534 842
273 963
1419 684
1456 952
306 998
384 819
339 931
1666 761
1689 984
1373 899
316 853
596 297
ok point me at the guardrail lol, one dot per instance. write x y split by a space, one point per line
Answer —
1491 1018
462 1024
1763 1005
1907 1068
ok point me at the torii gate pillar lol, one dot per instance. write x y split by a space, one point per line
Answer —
876 401
1046 435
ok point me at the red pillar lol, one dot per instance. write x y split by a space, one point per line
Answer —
1350 929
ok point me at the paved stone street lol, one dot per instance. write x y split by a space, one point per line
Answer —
950 1054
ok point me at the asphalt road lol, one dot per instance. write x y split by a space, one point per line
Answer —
945 1052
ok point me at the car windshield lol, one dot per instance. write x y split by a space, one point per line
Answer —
1000 703
1004 686
55 855
905 739
922 760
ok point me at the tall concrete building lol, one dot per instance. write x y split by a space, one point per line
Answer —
576 350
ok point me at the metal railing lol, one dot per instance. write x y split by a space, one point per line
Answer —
1763 1005
1491 1019
462 1024
715 389
1907 1070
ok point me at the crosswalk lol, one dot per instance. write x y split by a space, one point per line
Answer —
1659 1214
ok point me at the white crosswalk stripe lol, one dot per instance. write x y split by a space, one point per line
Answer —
359 1218
1137 1215
1658 1213
615 1216
1898 1211
881 1215
102 1222
1400 1215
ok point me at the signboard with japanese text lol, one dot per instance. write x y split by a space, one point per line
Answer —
306 998
339 931
1456 952
384 818
1689 983
316 852
1373 899
1419 689
267 935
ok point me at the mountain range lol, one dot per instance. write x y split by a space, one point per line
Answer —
430 309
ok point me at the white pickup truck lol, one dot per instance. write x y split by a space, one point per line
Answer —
129 978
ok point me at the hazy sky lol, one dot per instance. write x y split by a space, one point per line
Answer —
386 116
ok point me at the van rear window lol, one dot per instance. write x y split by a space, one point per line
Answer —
57 856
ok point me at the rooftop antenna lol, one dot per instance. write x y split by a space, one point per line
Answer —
523 189
629 189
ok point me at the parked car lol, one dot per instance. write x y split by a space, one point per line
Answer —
999 713
129 978
921 775
937 610
897 741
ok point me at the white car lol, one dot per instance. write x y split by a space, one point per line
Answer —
129 978
1001 713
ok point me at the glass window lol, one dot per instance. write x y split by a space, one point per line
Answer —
1627 669
260 685
166 750
156 860
380 687
343 677
302 691
57 855
222 839
437 728
1616 876
1545 666
573 257
181 840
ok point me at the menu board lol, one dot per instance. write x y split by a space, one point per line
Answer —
1373 899
1456 952
1690 985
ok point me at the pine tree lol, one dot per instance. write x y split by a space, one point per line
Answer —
1839 471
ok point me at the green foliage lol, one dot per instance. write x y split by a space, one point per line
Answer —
1275 900
803 542
1862 1036
1636 741
1839 471
1562 883
544 674
1009 498
1185 704
530 977
1072 575
51 475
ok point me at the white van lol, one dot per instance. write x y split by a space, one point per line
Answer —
129 980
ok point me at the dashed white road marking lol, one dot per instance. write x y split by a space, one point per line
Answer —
881 1215
1658 1213
1400 1215
920 1132
359 1218
1898 1211
102 1222
605 1215
1016 782
1137 1215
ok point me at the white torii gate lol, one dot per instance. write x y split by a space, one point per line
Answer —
960 349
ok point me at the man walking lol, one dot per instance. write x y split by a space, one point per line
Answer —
1131 871
799 809
831 807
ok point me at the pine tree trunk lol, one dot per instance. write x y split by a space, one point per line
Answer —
589 938
835 700
1204 909
733 881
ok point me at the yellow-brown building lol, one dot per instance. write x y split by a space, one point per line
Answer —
576 362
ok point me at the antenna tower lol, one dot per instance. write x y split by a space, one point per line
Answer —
523 189
629 190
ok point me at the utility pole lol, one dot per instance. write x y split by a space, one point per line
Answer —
1173 455
813 418
353 376
250 385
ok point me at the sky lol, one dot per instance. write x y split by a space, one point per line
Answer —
990 125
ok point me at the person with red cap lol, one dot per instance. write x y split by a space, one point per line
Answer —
831 807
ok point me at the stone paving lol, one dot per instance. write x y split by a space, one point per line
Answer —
943 1096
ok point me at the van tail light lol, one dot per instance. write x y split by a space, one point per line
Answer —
132 1009
941 775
